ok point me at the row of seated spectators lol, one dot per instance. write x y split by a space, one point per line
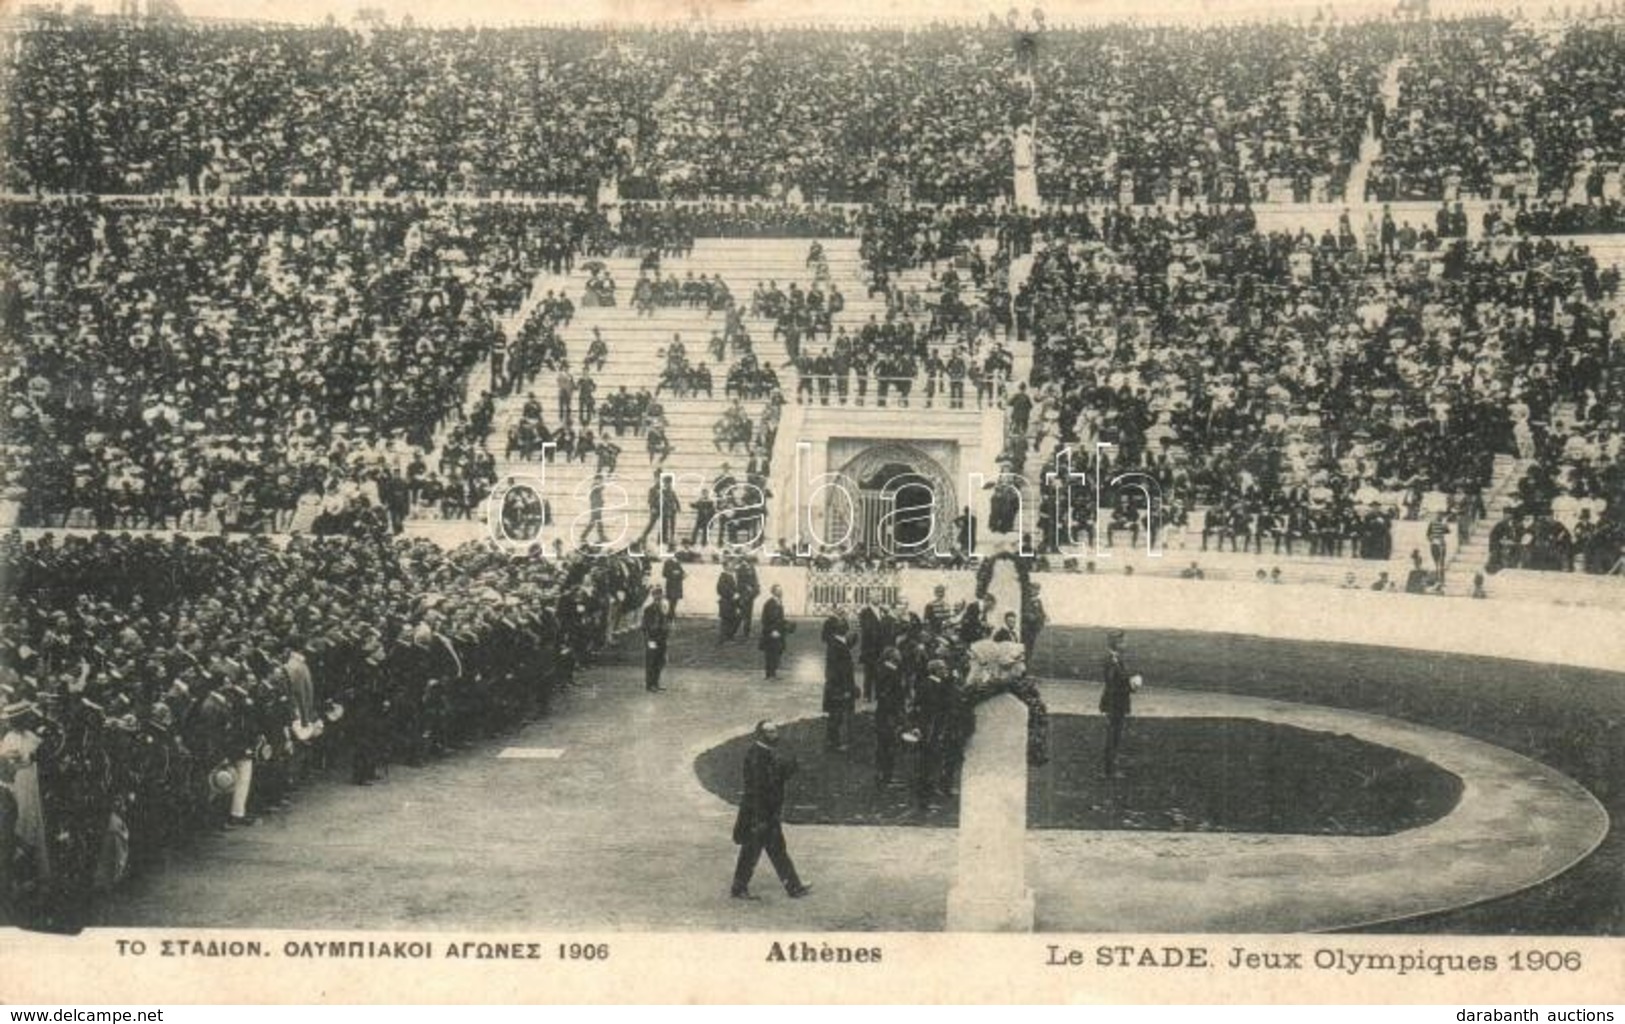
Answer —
652 230
930 112
895 238
574 438
1494 108
1592 218
886 362
1558 543
1565 515
154 688
1275 372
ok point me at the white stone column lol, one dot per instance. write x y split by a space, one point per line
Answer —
609 199
1025 152
990 891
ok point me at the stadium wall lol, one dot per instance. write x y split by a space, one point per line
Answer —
1518 629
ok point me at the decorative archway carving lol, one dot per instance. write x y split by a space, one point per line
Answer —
922 468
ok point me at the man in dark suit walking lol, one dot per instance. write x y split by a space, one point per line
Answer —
1115 697
774 630
759 825
656 625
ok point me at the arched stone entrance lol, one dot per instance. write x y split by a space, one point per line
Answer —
894 500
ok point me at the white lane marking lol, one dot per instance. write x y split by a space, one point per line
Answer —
531 753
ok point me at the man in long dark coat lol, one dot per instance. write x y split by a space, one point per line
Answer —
891 712
655 629
775 630
760 825
872 640
750 585
840 687
1115 697
933 705
727 603
367 715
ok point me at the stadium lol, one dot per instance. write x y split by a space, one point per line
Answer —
440 451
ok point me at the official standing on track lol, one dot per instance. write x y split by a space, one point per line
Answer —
655 627
775 631
1116 697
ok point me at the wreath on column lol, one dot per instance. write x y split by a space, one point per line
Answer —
987 682
984 574
996 668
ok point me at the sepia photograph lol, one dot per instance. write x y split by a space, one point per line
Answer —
498 481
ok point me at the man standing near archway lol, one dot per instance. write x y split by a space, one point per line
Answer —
727 602
774 630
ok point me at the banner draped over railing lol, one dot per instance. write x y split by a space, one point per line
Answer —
829 589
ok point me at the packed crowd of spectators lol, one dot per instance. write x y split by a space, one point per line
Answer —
1462 117
1248 105
119 107
152 688
210 365
1486 106
926 113
1505 110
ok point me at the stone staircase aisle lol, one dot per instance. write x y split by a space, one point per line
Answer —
635 361
1473 554
1371 143
479 377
